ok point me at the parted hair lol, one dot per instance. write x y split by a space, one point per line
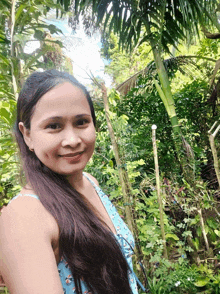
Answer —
89 247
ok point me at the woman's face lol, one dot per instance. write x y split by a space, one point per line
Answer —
62 132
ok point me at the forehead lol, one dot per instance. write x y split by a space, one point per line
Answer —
64 99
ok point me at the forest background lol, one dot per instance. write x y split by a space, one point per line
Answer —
164 60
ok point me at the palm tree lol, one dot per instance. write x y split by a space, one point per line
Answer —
161 23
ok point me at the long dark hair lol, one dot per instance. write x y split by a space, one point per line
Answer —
87 245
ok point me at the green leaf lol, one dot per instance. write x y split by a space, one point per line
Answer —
39 35
217 233
20 11
201 282
4 59
111 163
53 29
5 115
196 243
3 39
172 236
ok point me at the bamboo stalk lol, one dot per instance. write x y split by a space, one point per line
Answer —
162 96
123 177
14 83
209 250
126 187
214 151
127 198
159 199
186 162
203 229
216 131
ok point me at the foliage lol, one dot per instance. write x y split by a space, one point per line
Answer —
123 65
170 20
132 118
15 66
160 24
190 267
8 162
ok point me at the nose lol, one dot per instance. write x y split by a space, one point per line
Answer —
71 139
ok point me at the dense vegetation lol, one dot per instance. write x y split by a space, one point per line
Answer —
176 88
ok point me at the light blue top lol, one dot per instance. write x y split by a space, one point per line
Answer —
123 236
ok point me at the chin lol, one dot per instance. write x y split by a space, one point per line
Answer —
70 172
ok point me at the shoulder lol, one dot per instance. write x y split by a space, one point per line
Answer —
21 216
24 203
25 213
92 178
27 258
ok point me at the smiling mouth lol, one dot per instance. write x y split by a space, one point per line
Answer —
72 155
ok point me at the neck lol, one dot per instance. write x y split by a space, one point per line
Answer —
76 181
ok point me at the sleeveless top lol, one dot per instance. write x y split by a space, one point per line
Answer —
123 236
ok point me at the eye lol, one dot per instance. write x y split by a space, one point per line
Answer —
82 122
53 126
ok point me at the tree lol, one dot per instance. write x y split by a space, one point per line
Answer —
161 24
123 65
21 22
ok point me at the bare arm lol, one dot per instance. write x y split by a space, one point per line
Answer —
27 260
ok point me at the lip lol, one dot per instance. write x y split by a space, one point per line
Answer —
71 154
72 157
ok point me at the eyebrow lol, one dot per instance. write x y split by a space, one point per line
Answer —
60 117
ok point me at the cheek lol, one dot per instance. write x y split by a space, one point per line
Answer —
90 143
45 145
91 138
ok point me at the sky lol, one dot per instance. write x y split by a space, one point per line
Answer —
84 51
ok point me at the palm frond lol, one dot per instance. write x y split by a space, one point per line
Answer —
180 63
130 83
170 21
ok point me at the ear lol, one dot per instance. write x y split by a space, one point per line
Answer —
26 135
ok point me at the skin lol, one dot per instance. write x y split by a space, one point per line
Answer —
62 132
62 136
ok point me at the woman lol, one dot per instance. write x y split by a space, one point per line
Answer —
61 234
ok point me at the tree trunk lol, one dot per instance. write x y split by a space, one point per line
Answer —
126 187
183 149
125 190
159 199
214 151
14 83
209 250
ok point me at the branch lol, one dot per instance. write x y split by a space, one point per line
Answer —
217 66
215 123
210 35
214 151
198 57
